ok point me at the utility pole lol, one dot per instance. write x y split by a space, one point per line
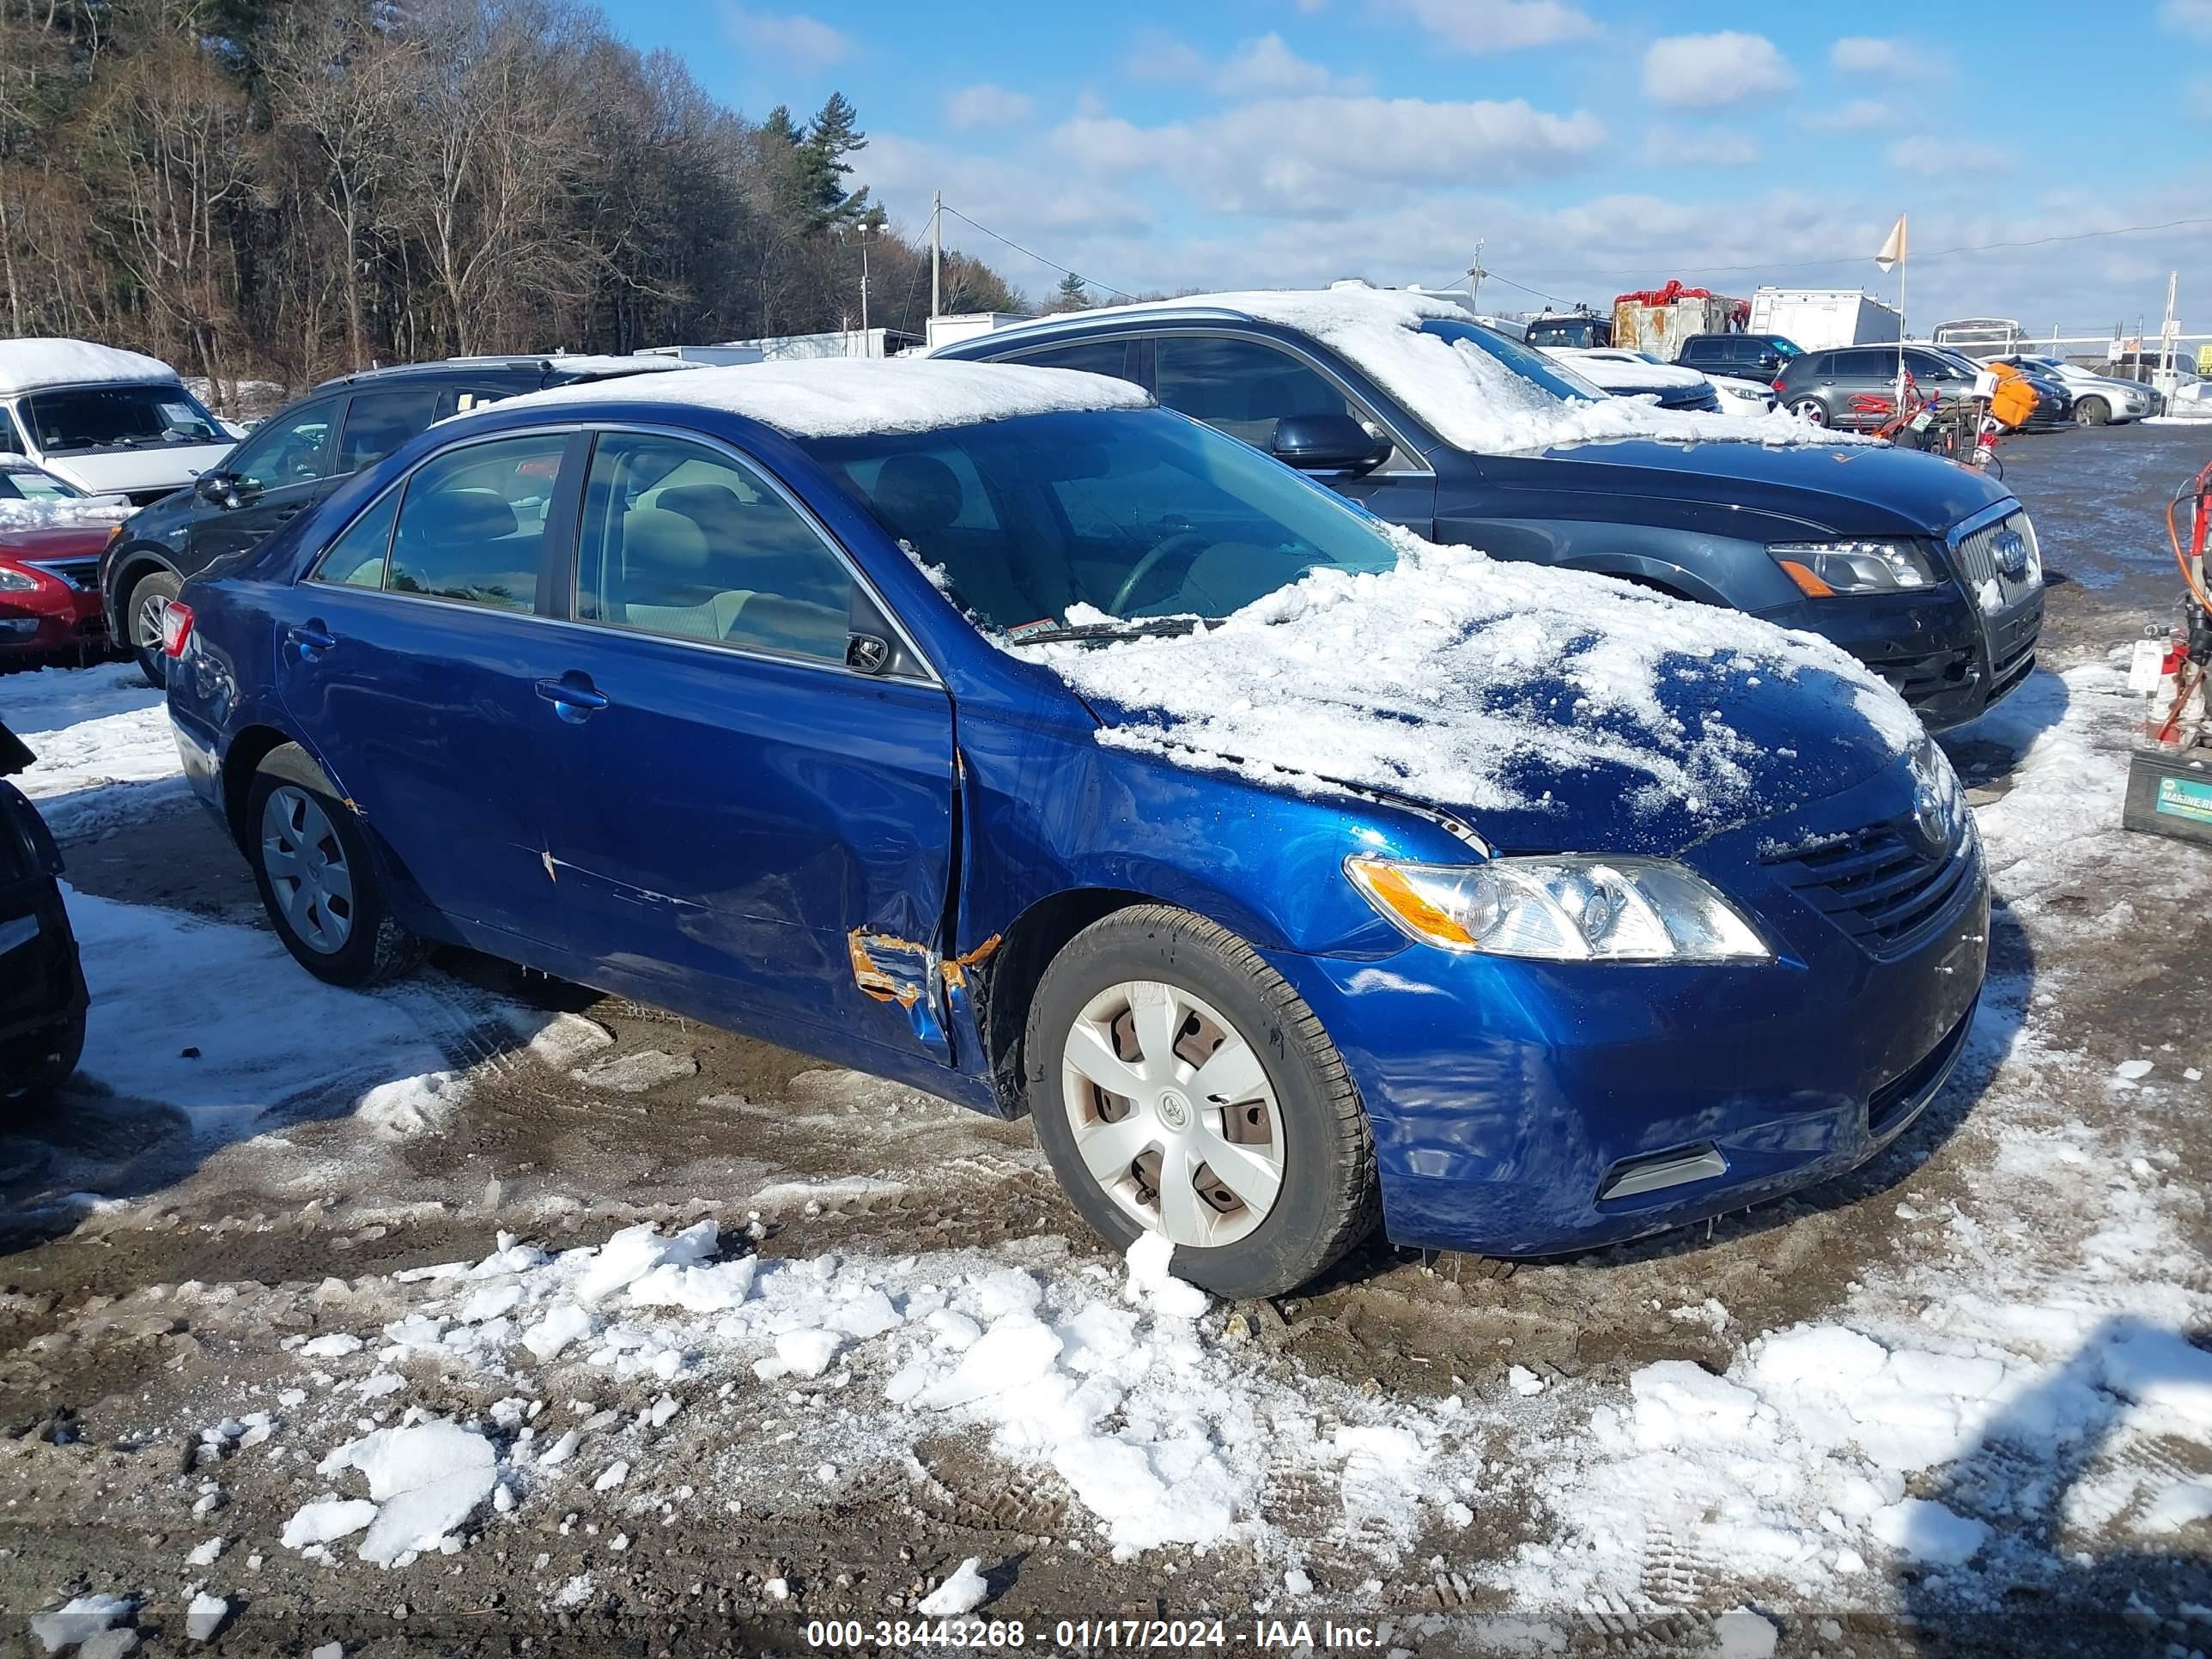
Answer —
1474 274
936 252
864 288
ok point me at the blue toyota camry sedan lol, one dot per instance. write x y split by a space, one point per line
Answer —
990 728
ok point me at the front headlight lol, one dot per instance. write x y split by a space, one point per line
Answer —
1560 909
15 582
1822 569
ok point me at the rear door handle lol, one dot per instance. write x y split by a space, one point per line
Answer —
574 697
310 639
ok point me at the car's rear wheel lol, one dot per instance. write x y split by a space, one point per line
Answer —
2092 411
142 615
1811 410
1181 1086
312 866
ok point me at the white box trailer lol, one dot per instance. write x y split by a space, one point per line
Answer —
1822 319
967 325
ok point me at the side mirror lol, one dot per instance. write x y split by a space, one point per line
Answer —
1327 443
1771 362
219 489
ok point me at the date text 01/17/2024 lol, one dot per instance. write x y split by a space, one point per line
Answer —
1094 1635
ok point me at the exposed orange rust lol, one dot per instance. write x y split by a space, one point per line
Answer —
956 971
872 977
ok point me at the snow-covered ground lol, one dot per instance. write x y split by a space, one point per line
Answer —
2005 1401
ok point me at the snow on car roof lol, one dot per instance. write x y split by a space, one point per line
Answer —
849 397
1468 682
27 365
1612 368
1468 397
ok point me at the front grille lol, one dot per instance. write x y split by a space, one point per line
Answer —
147 497
1975 555
82 574
1883 886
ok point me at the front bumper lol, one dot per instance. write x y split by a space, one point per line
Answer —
68 624
1937 649
1529 1109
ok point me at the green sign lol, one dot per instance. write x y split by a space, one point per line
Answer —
2185 799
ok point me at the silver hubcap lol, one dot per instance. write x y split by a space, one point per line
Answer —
1173 1114
306 867
153 610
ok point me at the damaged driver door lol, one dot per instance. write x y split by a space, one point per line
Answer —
755 775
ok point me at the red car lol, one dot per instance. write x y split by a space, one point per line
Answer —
51 535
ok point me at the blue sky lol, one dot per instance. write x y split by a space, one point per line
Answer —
1593 147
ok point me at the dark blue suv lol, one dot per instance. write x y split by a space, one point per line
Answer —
1928 573
990 729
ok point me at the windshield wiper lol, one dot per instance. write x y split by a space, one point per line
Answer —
1148 628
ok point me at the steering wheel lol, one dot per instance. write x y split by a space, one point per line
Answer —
1189 542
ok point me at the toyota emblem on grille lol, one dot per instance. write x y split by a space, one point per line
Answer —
1930 817
2010 547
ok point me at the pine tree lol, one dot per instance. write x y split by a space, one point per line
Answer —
830 137
1075 294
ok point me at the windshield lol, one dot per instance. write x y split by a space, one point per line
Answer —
1052 521
27 484
86 420
1565 332
1549 373
1785 346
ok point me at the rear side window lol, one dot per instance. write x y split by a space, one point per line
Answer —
472 523
684 541
1241 386
356 559
1092 356
378 423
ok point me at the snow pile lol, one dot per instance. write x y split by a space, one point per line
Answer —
105 755
843 398
68 512
1464 681
80 1619
28 364
963 1591
1620 371
426 1480
1465 396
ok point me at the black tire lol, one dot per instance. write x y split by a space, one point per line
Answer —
1811 410
375 947
36 1066
1328 1200
2092 411
149 596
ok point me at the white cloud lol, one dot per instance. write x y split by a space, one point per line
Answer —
988 106
1935 156
2188 17
1714 69
1859 115
1487 25
806 41
1260 67
1265 65
1159 56
1712 147
1324 156
1892 59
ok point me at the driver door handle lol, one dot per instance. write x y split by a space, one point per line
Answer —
310 639
574 697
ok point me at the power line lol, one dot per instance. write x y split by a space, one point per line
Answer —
1039 257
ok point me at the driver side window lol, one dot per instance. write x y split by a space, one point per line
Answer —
291 449
1244 387
684 541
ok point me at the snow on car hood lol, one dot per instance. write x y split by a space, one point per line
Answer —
169 466
76 512
1556 710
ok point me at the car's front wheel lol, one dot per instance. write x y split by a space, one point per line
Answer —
1181 1086
311 864
142 615
32 1067
1811 410
2092 411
